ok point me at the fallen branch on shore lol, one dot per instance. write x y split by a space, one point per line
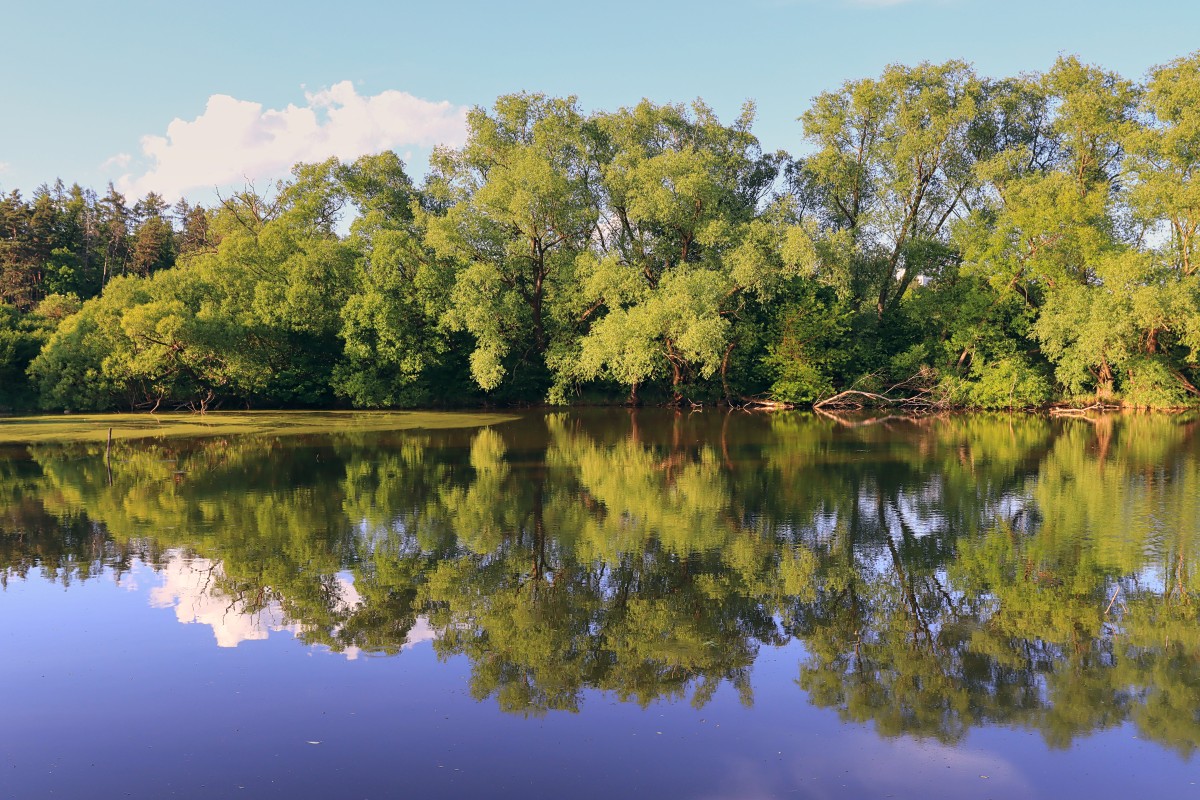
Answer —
915 393
764 404
846 400
1082 411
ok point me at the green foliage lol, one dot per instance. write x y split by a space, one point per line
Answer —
70 370
21 337
689 244
893 160
990 243
393 345
1151 384
805 355
519 206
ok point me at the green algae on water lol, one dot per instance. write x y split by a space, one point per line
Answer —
95 427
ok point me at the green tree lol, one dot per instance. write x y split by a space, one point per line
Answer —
511 210
684 244
894 161
396 352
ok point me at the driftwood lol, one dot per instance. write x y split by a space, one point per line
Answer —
846 400
1082 411
763 404
914 393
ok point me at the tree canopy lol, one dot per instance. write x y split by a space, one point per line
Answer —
974 241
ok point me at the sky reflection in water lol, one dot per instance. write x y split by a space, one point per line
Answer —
604 602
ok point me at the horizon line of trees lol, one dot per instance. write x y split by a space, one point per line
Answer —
978 242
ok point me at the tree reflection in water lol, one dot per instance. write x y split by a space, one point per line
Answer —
941 574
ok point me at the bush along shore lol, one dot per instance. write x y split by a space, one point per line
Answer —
945 240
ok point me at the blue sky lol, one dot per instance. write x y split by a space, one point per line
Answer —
89 81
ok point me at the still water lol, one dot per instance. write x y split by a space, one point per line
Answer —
608 604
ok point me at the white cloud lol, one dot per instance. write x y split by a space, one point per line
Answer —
120 161
237 140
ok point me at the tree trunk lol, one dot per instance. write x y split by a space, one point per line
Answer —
539 329
676 374
725 372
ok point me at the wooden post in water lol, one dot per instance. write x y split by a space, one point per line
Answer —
108 457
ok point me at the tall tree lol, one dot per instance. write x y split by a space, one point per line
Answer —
892 158
512 210
681 239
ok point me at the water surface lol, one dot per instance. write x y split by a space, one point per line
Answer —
608 603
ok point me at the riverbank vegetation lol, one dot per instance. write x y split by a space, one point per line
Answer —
945 239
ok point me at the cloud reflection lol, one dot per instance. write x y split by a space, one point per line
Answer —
192 587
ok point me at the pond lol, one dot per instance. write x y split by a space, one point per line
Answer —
605 603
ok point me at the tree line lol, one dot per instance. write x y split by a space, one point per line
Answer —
968 241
